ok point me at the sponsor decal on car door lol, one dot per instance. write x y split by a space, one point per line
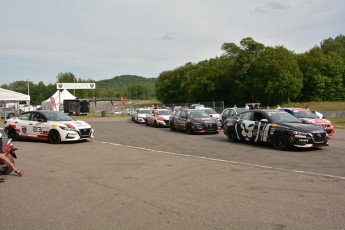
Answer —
245 129
26 128
253 131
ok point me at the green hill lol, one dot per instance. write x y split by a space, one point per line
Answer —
124 81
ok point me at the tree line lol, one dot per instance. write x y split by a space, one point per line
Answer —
128 86
253 72
250 72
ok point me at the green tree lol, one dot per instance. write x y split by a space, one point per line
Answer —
244 75
137 91
168 87
278 75
323 75
336 45
66 78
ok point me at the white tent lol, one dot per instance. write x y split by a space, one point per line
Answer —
12 98
58 97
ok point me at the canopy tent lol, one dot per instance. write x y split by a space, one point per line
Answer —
57 98
13 98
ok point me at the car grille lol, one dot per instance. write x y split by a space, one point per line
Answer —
319 137
210 126
85 132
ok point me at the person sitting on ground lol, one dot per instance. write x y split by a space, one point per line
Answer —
7 161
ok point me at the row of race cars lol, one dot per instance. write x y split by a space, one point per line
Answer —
283 128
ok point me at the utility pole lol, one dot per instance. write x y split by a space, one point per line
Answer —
74 86
29 93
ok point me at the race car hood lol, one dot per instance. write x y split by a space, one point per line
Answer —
215 115
77 124
163 117
307 128
316 121
204 120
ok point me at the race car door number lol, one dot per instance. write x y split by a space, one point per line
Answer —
37 129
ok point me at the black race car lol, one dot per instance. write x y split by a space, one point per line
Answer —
194 121
279 128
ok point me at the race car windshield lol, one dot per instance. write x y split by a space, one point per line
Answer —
146 111
306 114
283 117
164 112
198 114
210 111
57 116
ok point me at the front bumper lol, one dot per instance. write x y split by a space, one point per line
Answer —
82 134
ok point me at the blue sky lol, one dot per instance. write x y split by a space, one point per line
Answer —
101 39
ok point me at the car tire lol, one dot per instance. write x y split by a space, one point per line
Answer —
280 141
10 115
232 137
172 127
12 133
54 137
189 130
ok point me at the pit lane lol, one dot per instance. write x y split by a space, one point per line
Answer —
329 161
136 177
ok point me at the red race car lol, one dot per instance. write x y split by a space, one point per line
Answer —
309 117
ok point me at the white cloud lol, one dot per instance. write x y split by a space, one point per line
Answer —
106 38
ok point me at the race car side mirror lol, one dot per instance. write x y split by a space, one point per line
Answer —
264 120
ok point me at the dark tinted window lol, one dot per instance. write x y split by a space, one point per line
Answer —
246 115
37 116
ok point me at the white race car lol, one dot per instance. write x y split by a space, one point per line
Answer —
54 126
140 114
159 118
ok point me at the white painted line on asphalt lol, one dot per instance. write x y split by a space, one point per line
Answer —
226 161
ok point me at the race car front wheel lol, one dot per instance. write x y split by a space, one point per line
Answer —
280 141
189 130
232 137
12 133
54 137
172 127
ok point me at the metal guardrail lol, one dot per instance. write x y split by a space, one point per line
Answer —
333 114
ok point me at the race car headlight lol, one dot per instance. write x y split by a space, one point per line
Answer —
328 121
307 121
198 125
298 134
67 128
